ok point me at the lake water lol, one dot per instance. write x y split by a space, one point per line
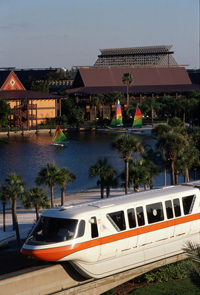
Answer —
26 155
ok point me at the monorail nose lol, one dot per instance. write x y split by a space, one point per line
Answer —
47 254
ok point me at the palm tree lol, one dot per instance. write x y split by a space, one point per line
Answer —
153 104
11 191
138 174
186 105
169 105
128 80
95 101
159 130
35 197
173 143
48 176
65 177
3 199
126 145
102 169
190 157
102 100
110 180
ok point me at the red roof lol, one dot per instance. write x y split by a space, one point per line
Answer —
107 80
102 77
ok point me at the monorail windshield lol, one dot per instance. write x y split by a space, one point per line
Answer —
55 230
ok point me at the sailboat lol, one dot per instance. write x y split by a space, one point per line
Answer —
117 119
59 139
137 123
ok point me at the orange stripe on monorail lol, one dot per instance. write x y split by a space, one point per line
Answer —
54 254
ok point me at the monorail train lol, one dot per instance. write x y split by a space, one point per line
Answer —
108 236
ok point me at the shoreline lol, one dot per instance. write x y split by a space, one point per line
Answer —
144 130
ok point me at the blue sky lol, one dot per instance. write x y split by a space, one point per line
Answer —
66 33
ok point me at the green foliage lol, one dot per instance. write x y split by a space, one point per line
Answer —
183 287
73 113
106 173
114 97
5 111
166 273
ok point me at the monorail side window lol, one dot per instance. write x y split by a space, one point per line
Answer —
140 216
94 229
117 219
177 208
169 210
81 228
188 204
155 212
131 218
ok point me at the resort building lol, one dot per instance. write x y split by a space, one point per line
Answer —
154 70
148 56
31 108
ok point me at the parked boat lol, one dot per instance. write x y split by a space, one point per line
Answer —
137 122
117 119
59 139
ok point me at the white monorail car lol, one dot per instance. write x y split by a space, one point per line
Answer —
109 236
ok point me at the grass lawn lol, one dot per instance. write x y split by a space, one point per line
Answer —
182 287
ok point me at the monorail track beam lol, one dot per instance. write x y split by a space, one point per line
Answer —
64 280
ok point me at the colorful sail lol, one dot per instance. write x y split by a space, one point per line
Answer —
117 119
137 123
59 136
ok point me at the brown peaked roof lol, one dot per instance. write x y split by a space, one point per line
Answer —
102 77
107 80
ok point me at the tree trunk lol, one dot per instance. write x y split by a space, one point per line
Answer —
127 97
95 115
52 198
126 176
152 116
4 215
184 117
108 191
37 212
13 217
186 176
145 187
172 173
164 169
62 196
102 189
16 221
176 178
151 185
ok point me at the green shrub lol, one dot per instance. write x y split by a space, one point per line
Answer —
165 273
